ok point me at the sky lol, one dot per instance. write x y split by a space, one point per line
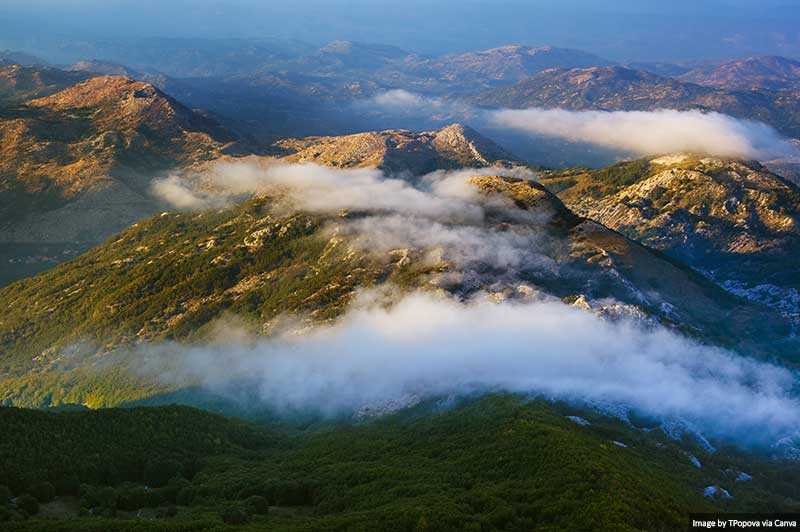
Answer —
622 30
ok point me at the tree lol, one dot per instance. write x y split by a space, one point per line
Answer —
27 503
43 491
257 505
159 472
235 515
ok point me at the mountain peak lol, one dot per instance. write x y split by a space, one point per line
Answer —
98 90
121 102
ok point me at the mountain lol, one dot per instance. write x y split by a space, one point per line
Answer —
452 147
624 89
76 165
733 220
182 57
66 332
19 83
506 64
521 464
771 73
108 138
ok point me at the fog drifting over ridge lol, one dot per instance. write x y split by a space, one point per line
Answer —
427 346
439 210
393 348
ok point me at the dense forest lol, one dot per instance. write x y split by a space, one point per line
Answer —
496 463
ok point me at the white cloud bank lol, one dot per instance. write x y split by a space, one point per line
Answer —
316 188
427 346
651 132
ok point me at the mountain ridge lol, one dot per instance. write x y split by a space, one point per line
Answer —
617 88
773 73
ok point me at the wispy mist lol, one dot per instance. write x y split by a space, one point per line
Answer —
318 188
439 212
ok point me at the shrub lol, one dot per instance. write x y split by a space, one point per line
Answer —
133 498
174 486
92 497
68 486
28 504
43 491
158 473
235 515
257 505
185 496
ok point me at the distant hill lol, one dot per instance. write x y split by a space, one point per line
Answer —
310 94
506 64
608 88
105 68
771 73
12 57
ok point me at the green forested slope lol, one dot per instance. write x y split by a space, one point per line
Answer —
499 463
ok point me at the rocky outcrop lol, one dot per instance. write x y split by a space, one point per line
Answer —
733 220
399 150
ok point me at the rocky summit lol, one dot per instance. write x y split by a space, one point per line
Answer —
452 147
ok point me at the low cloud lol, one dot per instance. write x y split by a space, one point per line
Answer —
651 132
632 132
315 188
426 346
438 211
399 104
